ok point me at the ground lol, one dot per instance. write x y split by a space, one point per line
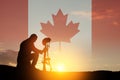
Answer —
11 73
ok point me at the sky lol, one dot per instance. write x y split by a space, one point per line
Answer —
95 47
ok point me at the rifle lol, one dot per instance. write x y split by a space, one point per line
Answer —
46 58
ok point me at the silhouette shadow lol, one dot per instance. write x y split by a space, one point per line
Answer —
27 59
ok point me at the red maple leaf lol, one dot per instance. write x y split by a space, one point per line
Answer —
60 31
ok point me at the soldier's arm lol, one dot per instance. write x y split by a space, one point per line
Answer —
36 50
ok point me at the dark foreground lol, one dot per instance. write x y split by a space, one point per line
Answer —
11 73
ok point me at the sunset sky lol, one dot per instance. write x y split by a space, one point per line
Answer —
95 47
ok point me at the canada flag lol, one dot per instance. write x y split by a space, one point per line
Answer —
90 26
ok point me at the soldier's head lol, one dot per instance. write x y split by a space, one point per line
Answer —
33 37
